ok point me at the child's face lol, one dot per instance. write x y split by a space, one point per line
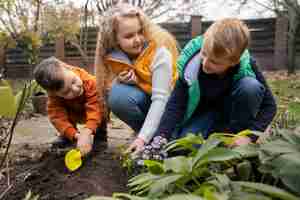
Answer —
72 86
130 36
215 66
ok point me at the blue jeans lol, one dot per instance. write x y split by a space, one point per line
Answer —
130 104
239 110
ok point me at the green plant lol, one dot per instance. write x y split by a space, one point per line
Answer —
183 173
126 160
31 196
30 42
280 158
205 172
11 101
13 107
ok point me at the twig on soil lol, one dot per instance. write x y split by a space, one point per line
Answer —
5 191
7 171
29 171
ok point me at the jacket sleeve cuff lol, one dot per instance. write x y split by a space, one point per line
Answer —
144 138
92 125
253 137
70 133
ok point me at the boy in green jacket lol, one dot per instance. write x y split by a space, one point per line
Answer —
219 88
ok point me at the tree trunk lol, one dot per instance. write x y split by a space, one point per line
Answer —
101 74
37 15
292 34
2 61
291 54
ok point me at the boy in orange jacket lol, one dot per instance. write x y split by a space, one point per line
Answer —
72 99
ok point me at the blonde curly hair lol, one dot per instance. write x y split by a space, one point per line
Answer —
152 32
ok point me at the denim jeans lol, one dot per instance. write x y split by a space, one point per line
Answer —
239 111
130 104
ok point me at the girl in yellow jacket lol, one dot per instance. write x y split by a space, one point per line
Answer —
136 64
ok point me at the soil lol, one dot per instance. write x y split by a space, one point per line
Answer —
40 168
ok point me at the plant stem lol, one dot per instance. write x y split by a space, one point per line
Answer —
12 128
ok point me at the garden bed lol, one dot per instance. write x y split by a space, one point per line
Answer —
48 177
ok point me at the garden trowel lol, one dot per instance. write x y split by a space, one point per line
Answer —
73 159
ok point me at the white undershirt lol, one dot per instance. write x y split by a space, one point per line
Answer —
162 71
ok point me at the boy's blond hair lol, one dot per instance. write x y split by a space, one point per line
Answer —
226 39
152 32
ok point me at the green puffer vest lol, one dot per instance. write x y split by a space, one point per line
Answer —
189 51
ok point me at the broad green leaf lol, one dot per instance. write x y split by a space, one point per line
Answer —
248 196
246 132
218 154
207 191
247 151
154 167
267 189
279 146
244 170
265 169
229 138
141 184
178 164
141 179
187 142
205 148
226 138
162 184
142 188
290 137
128 196
182 197
289 171
101 198
224 182
201 172
7 100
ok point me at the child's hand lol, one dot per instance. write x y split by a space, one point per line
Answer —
137 146
241 141
85 141
127 77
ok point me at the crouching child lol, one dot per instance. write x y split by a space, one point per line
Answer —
72 100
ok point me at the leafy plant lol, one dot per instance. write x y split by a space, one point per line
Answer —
183 173
7 98
203 172
280 158
13 107
31 196
12 101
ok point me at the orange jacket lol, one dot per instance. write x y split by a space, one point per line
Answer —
141 67
64 114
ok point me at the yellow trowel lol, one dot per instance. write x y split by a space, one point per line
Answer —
73 159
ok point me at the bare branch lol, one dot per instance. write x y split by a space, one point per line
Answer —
292 5
8 29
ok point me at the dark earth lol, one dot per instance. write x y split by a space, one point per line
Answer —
40 168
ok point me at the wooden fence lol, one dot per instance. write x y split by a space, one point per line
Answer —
268 46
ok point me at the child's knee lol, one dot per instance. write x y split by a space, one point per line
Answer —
249 87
